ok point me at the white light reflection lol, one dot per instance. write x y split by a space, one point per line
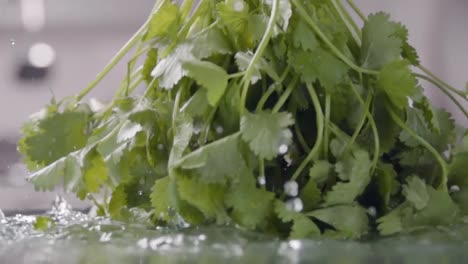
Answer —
32 14
41 55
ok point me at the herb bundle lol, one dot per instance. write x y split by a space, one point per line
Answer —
281 116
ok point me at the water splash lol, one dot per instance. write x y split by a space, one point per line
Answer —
283 149
295 205
261 180
13 42
291 188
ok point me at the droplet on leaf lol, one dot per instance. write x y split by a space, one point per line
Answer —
291 188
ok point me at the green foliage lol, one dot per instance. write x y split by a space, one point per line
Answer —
278 116
43 223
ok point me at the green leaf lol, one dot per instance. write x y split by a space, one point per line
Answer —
302 226
304 37
310 195
150 63
416 193
266 132
43 223
216 162
380 44
95 172
118 202
160 199
385 179
208 198
66 132
318 64
243 60
208 42
209 75
320 171
251 206
163 22
397 82
234 14
350 220
438 139
359 178
170 69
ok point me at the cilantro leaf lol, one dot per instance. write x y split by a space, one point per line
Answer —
303 36
170 69
66 131
251 206
380 44
164 22
359 177
160 199
216 162
318 64
350 220
320 171
209 75
397 82
208 198
310 195
234 14
416 193
266 132
243 60
149 65
302 226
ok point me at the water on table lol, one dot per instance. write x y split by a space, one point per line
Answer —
76 238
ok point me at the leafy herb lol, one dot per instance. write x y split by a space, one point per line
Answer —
280 116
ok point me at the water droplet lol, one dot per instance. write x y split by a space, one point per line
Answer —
143 243
105 237
12 42
142 181
2 216
160 146
372 211
219 130
283 148
261 180
295 244
295 205
202 237
454 188
238 6
140 193
60 207
291 188
410 102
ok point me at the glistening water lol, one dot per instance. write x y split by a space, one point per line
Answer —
76 238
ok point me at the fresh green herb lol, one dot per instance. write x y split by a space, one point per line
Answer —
43 223
280 116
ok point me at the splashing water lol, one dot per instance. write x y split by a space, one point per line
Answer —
291 188
79 239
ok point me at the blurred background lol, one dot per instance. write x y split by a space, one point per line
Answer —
56 47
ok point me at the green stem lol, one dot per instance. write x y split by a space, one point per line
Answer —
133 40
300 137
356 9
375 132
265 96
258 54
440 160
285 95
134 85
350 26
361 123
319 119
326 132
236 75
333 48
441 82
445 91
